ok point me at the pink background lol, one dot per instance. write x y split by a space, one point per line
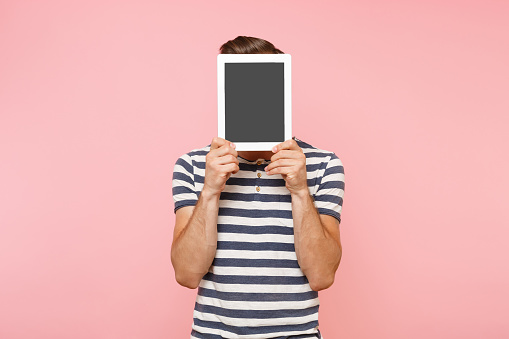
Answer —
99 98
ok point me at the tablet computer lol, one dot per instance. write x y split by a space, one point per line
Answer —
254 100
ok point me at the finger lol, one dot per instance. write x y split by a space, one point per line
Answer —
231 168
287 144
227 159
218 142
280 170
223 150
288 154
281 163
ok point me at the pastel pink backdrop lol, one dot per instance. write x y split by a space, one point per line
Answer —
99 98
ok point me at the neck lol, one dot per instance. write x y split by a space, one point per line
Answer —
255 155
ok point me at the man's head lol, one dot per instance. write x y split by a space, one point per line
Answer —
248 45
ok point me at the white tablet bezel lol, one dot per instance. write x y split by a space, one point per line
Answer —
286 59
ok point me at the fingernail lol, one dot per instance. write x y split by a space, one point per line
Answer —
233 145
274 149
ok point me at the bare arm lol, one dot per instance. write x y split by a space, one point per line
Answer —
317 242
195 239
195 234
316 236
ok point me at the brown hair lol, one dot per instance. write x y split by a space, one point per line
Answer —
248 45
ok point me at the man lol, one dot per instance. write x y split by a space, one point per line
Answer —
258 234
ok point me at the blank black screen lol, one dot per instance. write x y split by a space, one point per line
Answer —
254 101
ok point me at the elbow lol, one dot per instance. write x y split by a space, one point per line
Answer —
185 277
187 281
321 283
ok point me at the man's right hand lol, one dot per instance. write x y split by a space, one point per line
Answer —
221 163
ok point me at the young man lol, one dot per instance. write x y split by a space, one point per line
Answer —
258 234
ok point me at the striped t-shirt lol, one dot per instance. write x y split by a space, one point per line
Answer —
255 287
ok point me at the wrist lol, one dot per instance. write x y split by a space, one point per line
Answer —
301 194
209 194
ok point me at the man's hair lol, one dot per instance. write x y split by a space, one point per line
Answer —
248 45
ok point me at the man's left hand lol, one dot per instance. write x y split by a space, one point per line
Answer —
290 161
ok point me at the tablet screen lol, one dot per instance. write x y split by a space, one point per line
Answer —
254 101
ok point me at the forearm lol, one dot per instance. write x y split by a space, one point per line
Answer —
195 246
317 252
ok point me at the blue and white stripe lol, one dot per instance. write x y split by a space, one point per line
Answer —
255 287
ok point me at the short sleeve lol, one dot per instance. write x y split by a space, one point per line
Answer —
183 188
330 191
